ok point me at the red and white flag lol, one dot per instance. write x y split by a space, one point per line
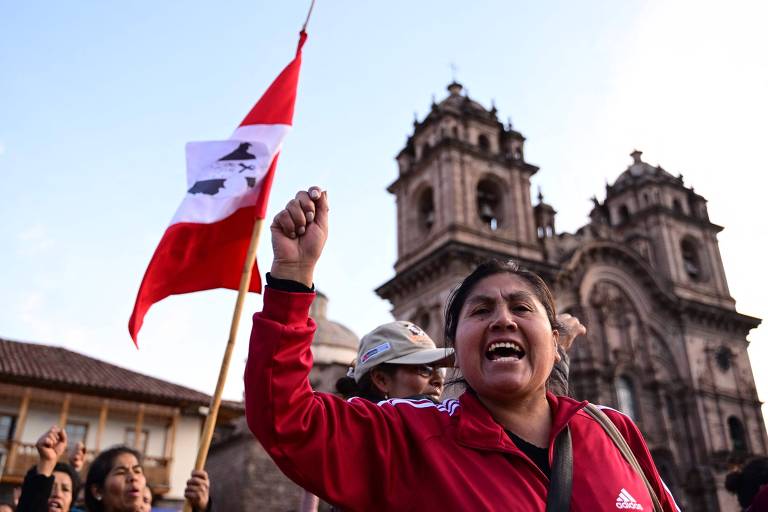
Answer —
228 185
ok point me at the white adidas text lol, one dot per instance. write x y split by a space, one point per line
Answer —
625 501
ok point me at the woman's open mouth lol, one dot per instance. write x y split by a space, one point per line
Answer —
504 351
55 505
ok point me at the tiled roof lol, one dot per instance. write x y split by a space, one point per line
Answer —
44 366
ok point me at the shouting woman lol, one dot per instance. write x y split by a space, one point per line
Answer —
505 444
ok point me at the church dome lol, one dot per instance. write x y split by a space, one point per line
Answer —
640 170
333 343
461 103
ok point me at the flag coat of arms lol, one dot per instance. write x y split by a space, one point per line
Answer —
228 184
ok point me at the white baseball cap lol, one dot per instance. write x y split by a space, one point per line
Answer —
399 343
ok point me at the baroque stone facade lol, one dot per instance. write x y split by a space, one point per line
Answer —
665 342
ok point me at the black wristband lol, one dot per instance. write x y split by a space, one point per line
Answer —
288 285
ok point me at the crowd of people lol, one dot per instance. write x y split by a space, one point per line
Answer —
512 440
114 482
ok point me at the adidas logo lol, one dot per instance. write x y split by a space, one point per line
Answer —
626 501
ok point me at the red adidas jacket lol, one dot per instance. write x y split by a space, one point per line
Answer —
414 455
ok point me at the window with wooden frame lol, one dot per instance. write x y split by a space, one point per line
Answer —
7 427
77 432
130 436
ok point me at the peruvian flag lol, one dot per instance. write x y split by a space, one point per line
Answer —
228 185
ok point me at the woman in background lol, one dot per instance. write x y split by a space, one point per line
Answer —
50 485
115 481
750 484
396 360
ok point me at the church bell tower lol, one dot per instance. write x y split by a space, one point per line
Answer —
463 196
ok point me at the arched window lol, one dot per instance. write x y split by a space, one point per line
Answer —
489 203
426 210
691 260
736 431
724 357
623 214
676 206
625 393
456 132
484 143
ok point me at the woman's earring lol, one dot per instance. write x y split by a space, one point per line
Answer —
386 396
98 498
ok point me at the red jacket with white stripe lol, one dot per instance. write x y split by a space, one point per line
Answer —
415 455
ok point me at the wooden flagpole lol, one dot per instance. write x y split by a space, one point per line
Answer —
245 281
213 409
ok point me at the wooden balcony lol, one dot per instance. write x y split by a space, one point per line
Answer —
158 472
16 459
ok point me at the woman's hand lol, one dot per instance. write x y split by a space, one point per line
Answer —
197 490
570 328
50 447
299 232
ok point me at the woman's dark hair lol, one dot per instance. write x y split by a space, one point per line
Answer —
746 481
459 295
348 387
97 474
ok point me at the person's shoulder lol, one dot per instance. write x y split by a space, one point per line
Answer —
760 501
610 411
616 416
625 425
423 418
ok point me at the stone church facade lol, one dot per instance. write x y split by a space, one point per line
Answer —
665 343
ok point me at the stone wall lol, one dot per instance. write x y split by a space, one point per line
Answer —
244 478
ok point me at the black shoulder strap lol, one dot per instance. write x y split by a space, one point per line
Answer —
561 481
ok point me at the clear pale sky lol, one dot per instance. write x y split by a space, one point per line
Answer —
97 100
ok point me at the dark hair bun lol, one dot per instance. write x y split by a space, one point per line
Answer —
733 481
347 387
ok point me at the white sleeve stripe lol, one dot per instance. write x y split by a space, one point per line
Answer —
448 406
